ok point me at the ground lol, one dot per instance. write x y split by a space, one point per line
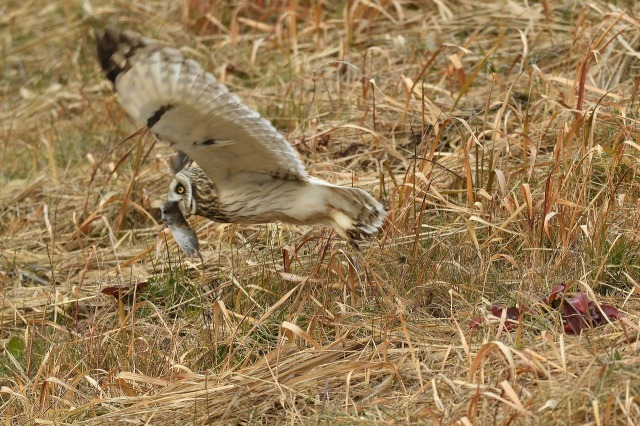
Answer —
501 136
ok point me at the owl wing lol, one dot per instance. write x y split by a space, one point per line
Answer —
191 110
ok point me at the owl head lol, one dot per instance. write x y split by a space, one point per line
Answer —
193 191
181 191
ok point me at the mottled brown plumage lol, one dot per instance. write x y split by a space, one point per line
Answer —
200 191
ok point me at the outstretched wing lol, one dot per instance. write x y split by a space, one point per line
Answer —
191 110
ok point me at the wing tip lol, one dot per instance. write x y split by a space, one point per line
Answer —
106 47
114 47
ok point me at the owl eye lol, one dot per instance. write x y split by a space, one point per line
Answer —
180 189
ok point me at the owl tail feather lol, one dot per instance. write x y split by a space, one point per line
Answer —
353 213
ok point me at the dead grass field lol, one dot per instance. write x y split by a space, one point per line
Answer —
502 136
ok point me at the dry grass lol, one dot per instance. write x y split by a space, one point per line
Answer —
502 136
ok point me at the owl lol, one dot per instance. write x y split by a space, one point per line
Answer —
247 172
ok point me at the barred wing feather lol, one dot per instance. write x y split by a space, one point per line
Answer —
191 110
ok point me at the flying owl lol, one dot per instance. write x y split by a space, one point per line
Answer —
247 172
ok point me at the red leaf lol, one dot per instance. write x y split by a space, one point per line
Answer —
594 314
513 313
496 310
115 291
119 290
610 311
579 313
140 286
573 318
580 302
557 290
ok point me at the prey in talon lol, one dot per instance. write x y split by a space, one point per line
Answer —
184 235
